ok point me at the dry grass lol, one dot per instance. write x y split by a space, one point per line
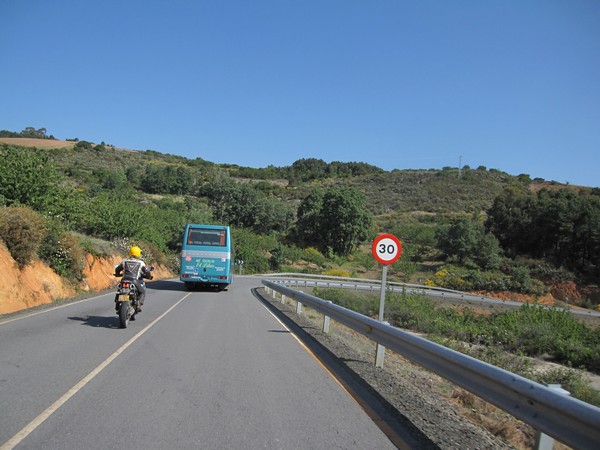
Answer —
495 420
38 143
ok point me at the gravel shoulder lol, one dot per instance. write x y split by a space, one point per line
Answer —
414 407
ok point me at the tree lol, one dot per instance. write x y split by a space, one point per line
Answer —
336 220
466 241
27 178
559 225
308 222
83 145
241 205
345 221
167 180
307 169
31 132
511 218
111 179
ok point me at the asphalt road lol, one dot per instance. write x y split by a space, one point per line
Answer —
196 370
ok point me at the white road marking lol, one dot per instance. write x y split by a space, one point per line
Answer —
31 426
310 352
53 309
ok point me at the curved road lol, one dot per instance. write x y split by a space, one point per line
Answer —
196 370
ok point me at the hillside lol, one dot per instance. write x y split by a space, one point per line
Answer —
37 284
114 194
398 191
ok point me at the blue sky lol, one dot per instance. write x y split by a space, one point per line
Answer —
508 84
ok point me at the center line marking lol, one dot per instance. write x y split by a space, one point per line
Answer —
31 426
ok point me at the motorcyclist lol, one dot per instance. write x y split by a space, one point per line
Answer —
135 270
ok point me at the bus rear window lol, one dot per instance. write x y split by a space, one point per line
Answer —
207 237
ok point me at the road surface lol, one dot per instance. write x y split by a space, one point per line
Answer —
199 369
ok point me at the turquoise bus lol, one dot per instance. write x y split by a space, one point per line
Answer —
206 256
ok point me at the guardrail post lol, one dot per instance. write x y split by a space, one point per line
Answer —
380 352
379 355
326 320
283 299
543 441
298 308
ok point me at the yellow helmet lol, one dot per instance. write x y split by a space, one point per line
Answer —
135 251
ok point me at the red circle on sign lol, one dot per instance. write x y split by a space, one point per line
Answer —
386 248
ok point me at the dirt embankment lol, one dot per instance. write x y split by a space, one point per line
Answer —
561 294
38 284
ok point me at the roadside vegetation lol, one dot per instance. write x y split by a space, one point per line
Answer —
506 340
469 229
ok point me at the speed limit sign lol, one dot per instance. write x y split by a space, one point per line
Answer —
386 248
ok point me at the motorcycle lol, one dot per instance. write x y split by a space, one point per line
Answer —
127 303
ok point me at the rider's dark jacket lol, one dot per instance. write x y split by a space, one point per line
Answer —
135 270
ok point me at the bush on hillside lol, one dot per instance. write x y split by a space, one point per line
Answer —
337 273
63 252
459 278
22 230
27 177
253 249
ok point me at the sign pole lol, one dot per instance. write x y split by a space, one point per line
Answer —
380 353
386 249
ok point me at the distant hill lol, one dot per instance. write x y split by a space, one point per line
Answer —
389 193
103 183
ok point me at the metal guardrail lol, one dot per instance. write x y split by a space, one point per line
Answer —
307 280
567 419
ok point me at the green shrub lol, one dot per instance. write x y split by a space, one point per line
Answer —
28 178
572 381
96 247
356 301
535 330
501 339
22 229
531 330
63 252
151 254
463 279
365 260
313 255
282 254
337 273
253 249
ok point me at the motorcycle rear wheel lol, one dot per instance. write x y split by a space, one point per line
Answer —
124 314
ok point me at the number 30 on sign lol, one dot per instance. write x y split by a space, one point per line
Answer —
386 248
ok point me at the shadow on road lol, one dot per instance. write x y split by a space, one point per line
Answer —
98 321
166 285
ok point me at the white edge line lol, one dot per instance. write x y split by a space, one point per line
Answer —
31 426
311 353
54 308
